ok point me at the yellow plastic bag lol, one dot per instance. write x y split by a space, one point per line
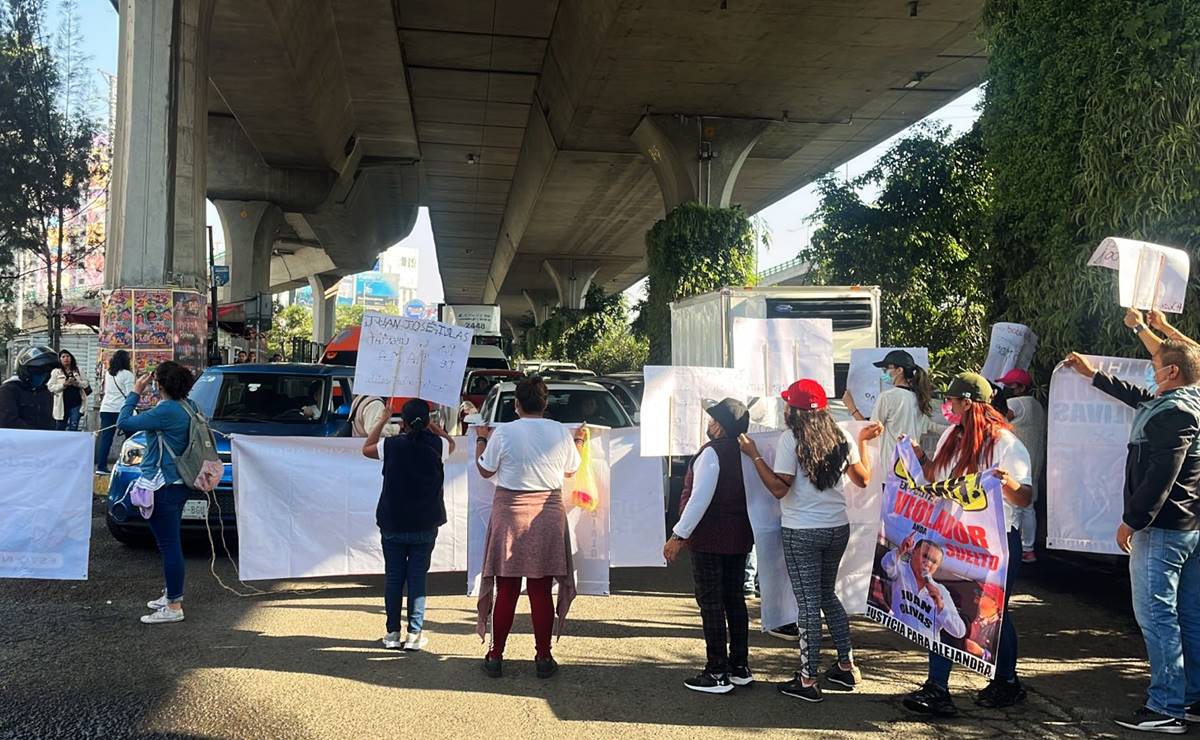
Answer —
587 495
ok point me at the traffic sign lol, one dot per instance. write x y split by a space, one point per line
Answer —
414 309
221 275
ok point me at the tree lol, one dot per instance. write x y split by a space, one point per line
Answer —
289 322
596 336
46 154
924 241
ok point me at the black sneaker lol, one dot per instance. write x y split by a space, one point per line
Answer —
999 694
1192 713
546 667
494 667
710 683
931 699
789 632
843 679
1148 720
797 689
741 676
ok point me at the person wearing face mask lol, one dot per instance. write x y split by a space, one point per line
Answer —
979 438
1160 528
25 403
715 526
1029 424
906 405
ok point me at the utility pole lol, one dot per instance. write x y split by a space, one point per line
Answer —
214 357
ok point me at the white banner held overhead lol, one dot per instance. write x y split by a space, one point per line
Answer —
46 497
415 358
673 416
865 381
777 352
1011 346
1086 438
1148 275
306 508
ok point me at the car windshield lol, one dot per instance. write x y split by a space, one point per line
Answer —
573 406
478 384
224 396
487 363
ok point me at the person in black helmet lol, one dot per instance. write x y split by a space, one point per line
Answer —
25 403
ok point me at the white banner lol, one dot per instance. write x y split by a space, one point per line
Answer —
46 497
673 416
1011 346
306 508
776 353
413 358
1148 275
1086 437
865 381
638 516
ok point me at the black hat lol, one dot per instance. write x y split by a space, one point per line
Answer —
732 415
898 358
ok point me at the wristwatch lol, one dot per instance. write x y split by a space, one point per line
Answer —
675 538
1139 328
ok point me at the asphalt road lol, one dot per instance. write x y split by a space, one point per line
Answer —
76 662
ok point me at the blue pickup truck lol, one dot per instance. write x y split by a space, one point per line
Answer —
278 399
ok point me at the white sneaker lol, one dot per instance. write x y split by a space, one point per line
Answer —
416 641
393 641
158 603
163 616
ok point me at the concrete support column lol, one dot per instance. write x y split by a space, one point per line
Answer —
696 158
540 303
156 206
572 278
250 228
324 308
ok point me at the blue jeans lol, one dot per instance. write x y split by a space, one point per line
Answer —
107 420
70 420
1164 573
164 523
406 557
1006 651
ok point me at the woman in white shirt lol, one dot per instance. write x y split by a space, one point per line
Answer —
118 383
979 438
905 408
812 459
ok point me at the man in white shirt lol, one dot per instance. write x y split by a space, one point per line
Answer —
918 601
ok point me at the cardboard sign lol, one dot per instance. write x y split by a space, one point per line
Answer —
777 352
1149 275
673 416
865 381
1012 346
413 358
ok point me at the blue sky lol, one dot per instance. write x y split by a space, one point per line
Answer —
788 219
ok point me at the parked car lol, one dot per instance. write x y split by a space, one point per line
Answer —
567 402
565 373
261 399
530 367
627 388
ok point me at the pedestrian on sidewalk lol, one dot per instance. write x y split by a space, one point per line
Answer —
1160 527
978 439
70 391
118 384
527 536
715 526
166 430
410 510
813 457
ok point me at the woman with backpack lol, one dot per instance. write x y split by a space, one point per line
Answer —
118 384
166 427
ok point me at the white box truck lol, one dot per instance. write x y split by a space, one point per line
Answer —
702 326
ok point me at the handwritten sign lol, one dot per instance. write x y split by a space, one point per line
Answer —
776 353
1148 275
673 416
865 381
1012 346
398 356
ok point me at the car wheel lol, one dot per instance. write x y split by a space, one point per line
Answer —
127 536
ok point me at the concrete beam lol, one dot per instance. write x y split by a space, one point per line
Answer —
540 303
250 228
324 306
571 278
236 171
298 267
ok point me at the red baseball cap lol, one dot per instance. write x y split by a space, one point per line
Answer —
1016 376
806 394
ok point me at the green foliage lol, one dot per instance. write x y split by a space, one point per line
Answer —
615 352
595 337
1091 125
694 250
924 241
289 322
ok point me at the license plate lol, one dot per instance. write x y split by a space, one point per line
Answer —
195 509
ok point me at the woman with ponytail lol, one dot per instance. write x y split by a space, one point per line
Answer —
979 438
905 407
409 513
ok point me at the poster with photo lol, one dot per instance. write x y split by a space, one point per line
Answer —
191 329
116 320
145 361
152 325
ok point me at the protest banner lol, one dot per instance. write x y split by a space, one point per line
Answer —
940 562
415 358
775 353
1148 275
865 381
637 518
778 604
672 414
1011 346
1086 437
306 508
46 497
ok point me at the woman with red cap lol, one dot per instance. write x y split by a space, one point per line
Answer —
812 459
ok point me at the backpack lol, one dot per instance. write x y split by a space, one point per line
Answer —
199 465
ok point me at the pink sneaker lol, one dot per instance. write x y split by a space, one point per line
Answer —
1028 557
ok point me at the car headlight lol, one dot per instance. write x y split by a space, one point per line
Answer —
132 453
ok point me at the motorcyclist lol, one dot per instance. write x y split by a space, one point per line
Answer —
25 403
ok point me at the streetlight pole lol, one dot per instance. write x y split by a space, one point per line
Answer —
213 352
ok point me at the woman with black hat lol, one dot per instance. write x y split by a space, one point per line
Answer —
903 409
713 523
979 438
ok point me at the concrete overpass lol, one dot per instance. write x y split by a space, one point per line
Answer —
545 136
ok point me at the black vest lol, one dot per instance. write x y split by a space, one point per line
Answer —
411 500
725 527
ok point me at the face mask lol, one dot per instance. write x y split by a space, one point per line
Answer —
951 416
886 378
1151 381
39 379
